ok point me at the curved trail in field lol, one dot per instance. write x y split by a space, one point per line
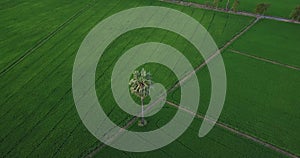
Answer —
265 60
197 5
184 79
217 53
247 136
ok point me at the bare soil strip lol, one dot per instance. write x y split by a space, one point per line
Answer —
197 5
133 120
247 136
265 60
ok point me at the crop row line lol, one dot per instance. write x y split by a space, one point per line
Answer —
52 108
131 121
197 5
44 40
24 136
11 95
235 131
37 84
97 149
45 66
183 80
72 131
70 109
181 143
102 74
265 60
52 129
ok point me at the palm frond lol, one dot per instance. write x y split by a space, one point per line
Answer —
140 83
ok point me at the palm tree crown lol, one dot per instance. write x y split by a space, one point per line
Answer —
140 86
140 83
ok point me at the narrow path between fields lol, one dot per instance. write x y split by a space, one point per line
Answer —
217 53
202 6
265 60
224 126
44 39
184 79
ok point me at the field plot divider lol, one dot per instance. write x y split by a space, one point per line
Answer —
67 92
243 13
217 53
97 149
237 132
265 60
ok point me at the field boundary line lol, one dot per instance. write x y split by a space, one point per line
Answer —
243 13
69 90
235 131
97 149
13 93
53 107
265 60
176 85
42 41
217 53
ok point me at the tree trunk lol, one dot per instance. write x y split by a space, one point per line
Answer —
227 5
142 102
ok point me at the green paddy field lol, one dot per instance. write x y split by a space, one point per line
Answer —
38 44
278 8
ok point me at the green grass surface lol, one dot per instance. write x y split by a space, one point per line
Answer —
272 40
218 143
262 99
278 7
38 116
24 23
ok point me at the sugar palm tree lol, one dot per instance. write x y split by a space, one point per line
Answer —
227 5
295 15
235 5
262 8
140 86
216 3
